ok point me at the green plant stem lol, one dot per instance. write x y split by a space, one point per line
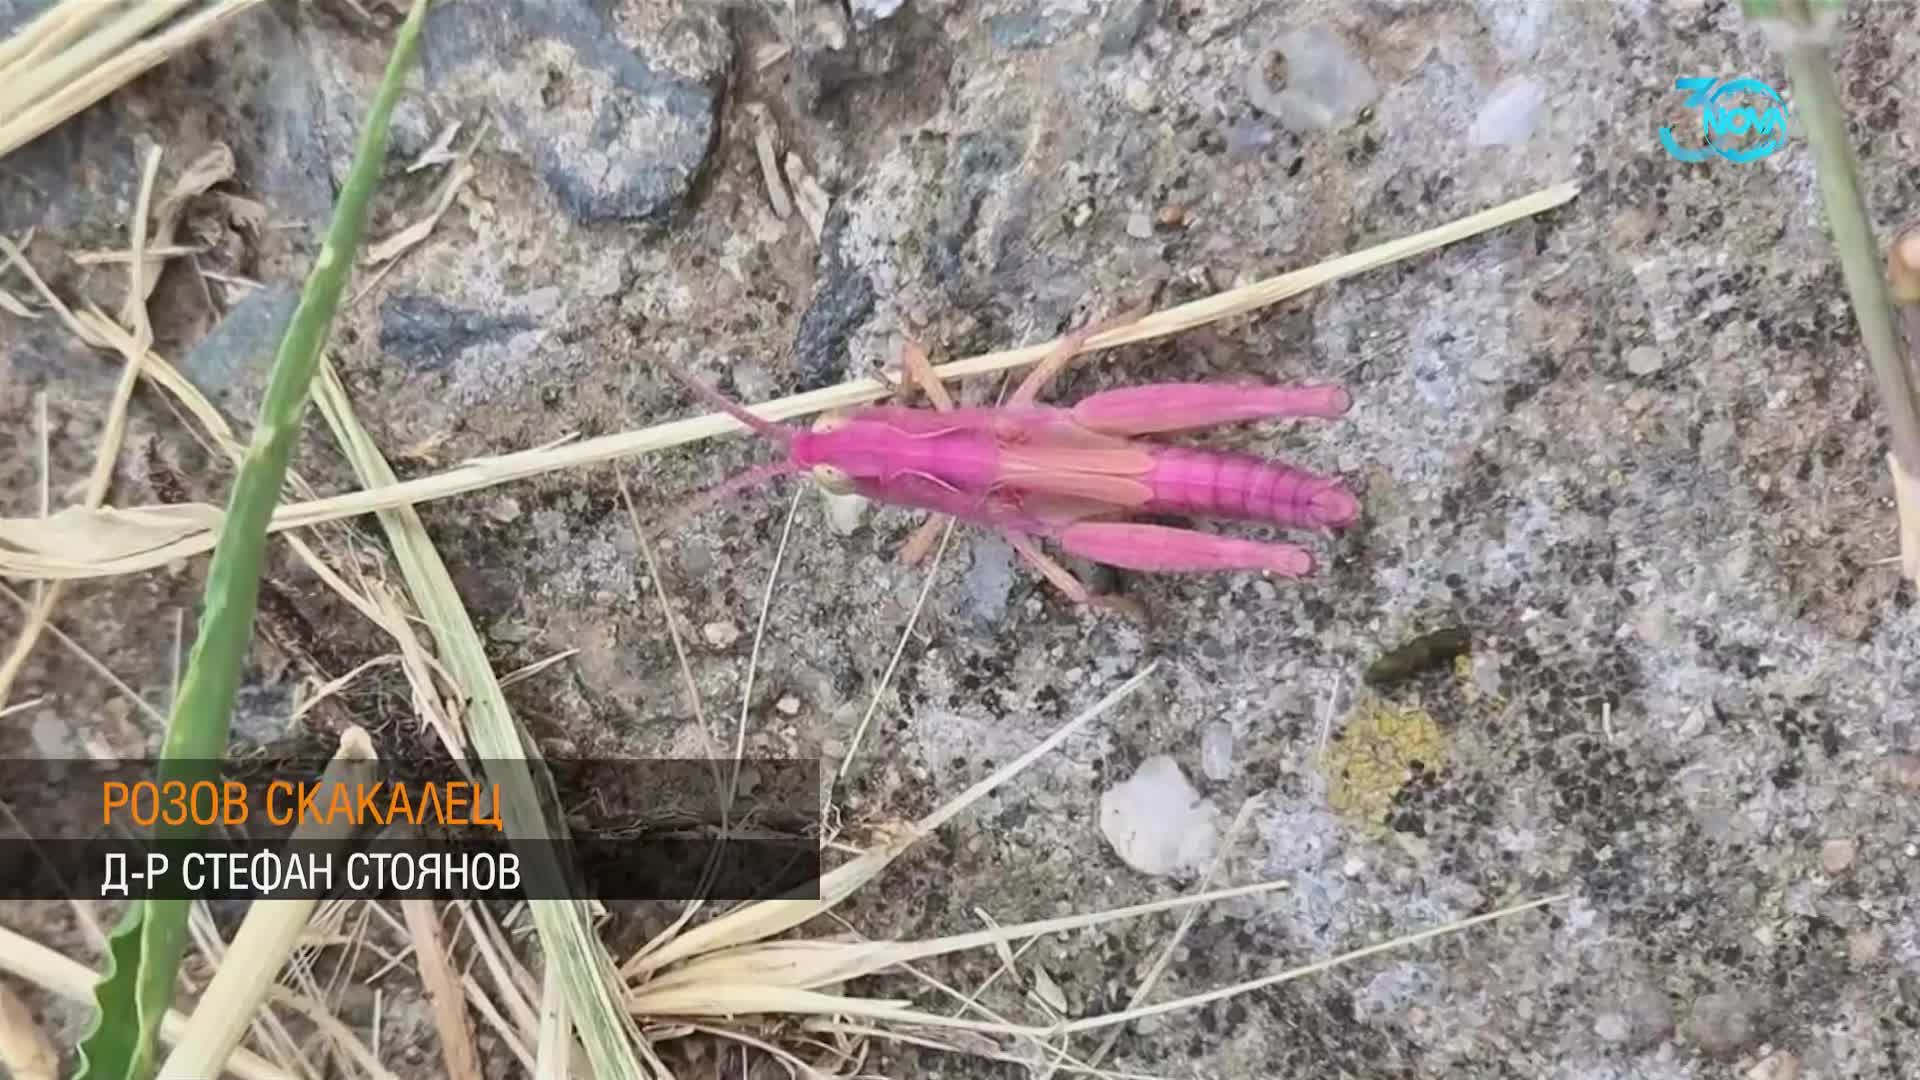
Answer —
197 727
1817 99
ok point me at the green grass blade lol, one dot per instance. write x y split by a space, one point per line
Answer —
121 1044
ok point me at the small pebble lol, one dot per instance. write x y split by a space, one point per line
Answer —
1612 1027
1157 822
1863 946
1172 216
1326 85
788 705
1779 1065
1645 360
1836 856
1139 225
1904 771
510 632
720 634
1139 95
844 511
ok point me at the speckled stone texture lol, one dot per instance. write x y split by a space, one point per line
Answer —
1631 445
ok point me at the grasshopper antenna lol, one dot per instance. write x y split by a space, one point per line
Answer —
779 433
753 477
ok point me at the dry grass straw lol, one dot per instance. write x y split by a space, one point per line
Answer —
612 1041
95 543
69 979
79 51
25 1051
443 990
727 969
266 938
108 450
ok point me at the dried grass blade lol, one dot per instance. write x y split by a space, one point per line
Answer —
267 936
808 965
765 918
25 1050
21 121
565 933
443 989
73 981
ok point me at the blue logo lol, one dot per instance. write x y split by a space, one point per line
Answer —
1737 132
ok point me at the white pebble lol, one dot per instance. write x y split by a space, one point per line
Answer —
844 511
1645 360
1157 822
1326 84
1510 115
1216 750
1139 225
788 705
720 634
1139 94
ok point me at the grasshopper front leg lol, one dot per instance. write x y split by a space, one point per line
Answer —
1056 360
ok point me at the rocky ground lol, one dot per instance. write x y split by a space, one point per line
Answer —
1630 446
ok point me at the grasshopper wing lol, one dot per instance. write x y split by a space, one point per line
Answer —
1114 475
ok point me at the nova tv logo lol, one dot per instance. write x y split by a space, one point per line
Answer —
1743 120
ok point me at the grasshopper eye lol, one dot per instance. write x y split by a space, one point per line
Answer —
832 421
833 479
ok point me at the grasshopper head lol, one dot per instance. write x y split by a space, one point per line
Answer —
829 452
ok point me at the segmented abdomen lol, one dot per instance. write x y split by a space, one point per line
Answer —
1205 483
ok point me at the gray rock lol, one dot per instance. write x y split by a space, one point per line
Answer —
1035 26
1122 29
843 298
231 364
262 711
868 12
427 333
85 171
990 578
1510 115
1326 84
618 122
281 152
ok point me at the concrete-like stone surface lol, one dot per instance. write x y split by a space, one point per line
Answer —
1631 445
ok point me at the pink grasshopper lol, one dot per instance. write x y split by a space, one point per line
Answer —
1070 474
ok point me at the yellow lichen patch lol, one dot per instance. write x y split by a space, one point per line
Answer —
1374 754
1463 674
